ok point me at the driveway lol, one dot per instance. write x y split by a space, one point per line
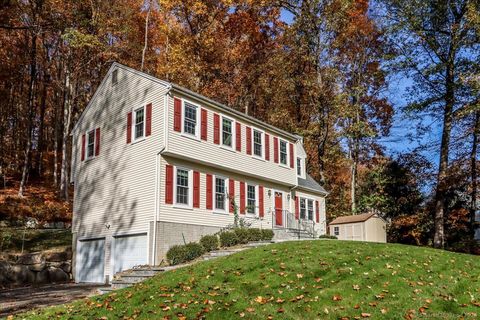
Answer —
24 299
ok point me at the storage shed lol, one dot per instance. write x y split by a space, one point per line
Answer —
362 227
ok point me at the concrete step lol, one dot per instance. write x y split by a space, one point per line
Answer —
120 284
138 273
134 278
105 290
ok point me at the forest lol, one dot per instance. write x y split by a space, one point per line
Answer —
385 94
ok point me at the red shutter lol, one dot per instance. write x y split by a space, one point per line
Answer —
83 147
231 194
209 191
242 197
267 147
196 189
148 126
169 184
275 149
177 114
204 125
248 132
291 155
317 212
97 142
238 132
216 128
261 209
129 127
297 207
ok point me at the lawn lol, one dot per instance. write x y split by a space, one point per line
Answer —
35 239
323 279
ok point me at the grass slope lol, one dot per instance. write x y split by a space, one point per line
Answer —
301 280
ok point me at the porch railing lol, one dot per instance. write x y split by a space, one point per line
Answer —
285 219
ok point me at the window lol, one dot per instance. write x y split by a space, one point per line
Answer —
139 123
283 152
336 231
182 187
91 144
303 208
251 199
310 209
299 166
257 143
190 119
227 129
114 77
220 193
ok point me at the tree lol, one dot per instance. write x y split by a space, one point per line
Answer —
436 43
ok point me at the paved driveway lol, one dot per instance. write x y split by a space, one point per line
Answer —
24 299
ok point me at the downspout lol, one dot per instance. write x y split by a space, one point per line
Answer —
157 203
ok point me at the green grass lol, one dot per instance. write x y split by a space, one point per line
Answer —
326 279
35 239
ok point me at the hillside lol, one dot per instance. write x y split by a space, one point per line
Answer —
301 280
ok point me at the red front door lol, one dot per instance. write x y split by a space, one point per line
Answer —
278 209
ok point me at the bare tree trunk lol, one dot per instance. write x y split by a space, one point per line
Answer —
31 111
473 157
439 237
146 34
40 145
67 111
353 183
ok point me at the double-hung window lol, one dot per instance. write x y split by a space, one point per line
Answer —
220 192
182 187
336 231
139 116
227 132
283 152
299 167
303 208
91 144
190 119
257 143
310 209
251 199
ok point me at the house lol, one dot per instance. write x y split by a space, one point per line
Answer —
155 165
360 227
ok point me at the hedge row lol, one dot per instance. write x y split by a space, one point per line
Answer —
184 253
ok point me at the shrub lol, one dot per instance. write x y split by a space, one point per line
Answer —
177 254
254 234
242 234
327 236
194 250
267 234
228 238
209 242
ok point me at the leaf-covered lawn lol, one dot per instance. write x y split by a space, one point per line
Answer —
301 280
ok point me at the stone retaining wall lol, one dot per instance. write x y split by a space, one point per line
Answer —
35 268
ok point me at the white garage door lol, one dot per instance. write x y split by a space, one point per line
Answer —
129 251
90 260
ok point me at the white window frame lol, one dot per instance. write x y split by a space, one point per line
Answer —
190 188
94 131
262 148
306 207
313 209
256 212
134 123
301 168
280 152
300 208
214 195
336 231
232 147
197 117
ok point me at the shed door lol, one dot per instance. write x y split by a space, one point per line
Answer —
129 251
90 261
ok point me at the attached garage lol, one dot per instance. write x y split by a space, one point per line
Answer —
90 260
360 227
129 251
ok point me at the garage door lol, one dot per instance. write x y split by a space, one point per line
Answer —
129 251
90 260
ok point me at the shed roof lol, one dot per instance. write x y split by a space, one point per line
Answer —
352 219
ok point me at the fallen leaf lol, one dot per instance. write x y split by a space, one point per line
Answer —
337 298
261 300
366 315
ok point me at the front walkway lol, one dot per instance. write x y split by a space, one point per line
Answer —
24 299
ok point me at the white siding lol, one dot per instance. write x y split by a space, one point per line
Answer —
209 153
115 192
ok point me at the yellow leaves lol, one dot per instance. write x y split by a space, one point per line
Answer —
337 298
299 276
261 300
209 302
356 287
